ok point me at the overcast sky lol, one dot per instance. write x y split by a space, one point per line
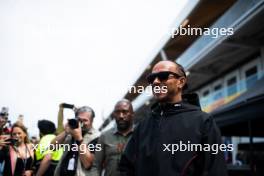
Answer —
83 52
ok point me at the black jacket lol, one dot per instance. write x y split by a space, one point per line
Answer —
146 154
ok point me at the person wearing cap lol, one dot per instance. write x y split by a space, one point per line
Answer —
46 159
154 148
4 130
3 119
114 140
78 162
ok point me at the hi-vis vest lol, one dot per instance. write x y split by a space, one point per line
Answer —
44 148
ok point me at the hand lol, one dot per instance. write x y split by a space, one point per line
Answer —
76 133
2 141
61 105
66 105
27 173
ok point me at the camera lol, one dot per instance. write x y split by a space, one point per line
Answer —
73 123
69 106
12 141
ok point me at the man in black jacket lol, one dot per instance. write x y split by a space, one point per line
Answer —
177 139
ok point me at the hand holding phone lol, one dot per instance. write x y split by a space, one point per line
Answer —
11 141
66 105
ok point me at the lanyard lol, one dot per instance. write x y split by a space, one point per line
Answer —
24 160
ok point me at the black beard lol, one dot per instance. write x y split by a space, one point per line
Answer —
123 126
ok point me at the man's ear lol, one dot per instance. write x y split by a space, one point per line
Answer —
182 82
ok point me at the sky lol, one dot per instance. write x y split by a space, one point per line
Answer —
82 52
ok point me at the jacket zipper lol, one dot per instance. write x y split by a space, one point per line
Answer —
161 117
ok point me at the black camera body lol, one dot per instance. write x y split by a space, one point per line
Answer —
73 123
12 141
66 105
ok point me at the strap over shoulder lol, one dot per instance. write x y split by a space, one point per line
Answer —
13 159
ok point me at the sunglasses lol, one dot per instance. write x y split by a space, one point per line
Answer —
162 76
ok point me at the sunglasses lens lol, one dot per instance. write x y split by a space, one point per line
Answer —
162 76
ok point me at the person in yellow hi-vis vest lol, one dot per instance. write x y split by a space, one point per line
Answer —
46 159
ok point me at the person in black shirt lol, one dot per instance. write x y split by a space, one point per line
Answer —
18 155
151 151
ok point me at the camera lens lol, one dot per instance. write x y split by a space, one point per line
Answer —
73 123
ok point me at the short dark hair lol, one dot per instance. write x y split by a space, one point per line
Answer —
46 127
182 73
125 101
84 109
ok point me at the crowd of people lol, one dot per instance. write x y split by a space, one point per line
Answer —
124 150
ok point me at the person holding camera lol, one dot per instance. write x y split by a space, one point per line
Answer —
80 135
3 120
17 152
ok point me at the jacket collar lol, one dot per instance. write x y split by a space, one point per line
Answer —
173 108
116 132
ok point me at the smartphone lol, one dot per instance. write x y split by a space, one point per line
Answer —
69 106
12 141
